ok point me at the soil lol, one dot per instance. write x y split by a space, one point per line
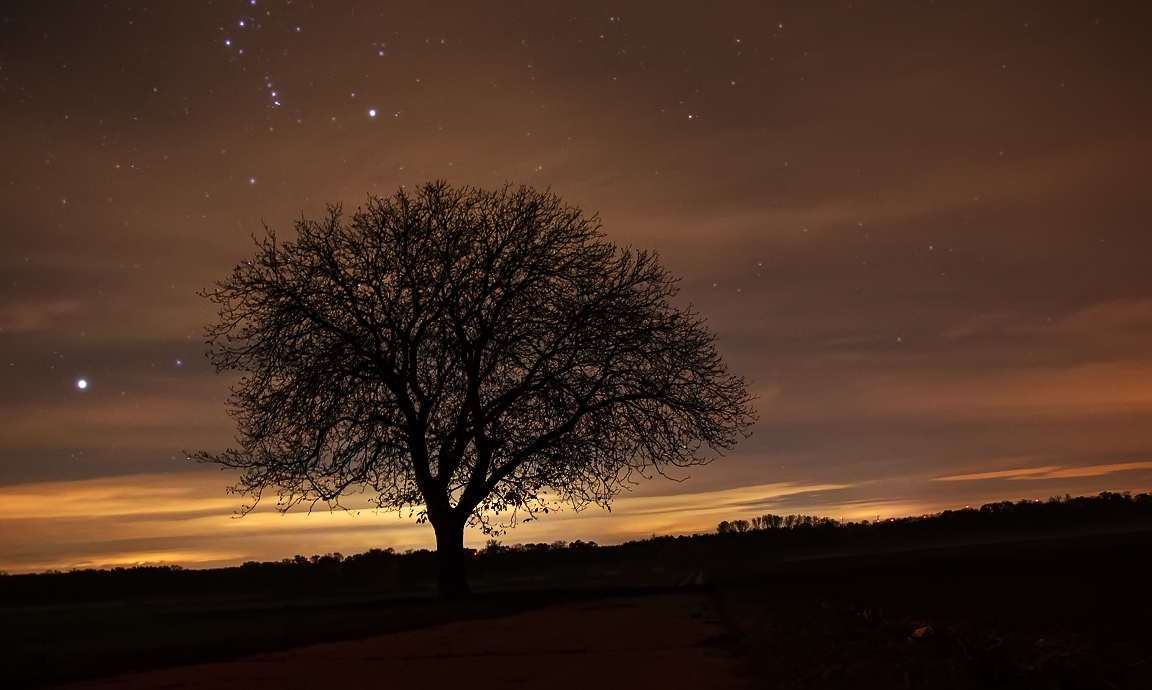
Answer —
666 641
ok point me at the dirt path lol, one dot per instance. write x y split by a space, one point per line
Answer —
665 641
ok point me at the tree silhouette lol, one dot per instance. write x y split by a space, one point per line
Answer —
473 356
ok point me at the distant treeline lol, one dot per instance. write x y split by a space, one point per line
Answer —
1057 511
762 540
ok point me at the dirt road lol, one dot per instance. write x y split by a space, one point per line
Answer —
666 641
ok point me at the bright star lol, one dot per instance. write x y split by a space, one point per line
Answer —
372 113
81 384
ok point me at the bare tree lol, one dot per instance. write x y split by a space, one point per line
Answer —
470 355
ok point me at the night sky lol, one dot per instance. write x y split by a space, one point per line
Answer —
921 230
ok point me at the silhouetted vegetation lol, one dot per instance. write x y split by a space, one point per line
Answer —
737 546
1058 512
814 602
1066 613
471 355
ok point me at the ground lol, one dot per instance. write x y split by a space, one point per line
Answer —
1065 613
666 641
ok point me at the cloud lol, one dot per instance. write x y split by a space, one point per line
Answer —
26 317
1049 472
1023 473
161 423
188 519
152 495
1093 390
1096 470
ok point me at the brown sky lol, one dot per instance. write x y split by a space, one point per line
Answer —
921 229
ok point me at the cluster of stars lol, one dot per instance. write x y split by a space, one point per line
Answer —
252 23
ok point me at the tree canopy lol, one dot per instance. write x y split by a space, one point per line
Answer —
471 355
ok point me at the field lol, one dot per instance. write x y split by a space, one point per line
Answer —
1038 611
1073 613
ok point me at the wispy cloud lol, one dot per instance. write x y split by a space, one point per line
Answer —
1097 470
188 519
1020 473
1049 472
24 317
151 494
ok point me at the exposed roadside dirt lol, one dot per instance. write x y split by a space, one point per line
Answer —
665 641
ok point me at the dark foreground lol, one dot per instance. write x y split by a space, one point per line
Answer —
1070 612
640 641
1073 613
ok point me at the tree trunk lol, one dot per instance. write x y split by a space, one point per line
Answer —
452 582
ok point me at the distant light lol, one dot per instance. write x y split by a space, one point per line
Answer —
228 43
251 180
372 113
177 362
81 384
241 22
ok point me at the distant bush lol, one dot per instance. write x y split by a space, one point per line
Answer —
769 522
495 548
1057 511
